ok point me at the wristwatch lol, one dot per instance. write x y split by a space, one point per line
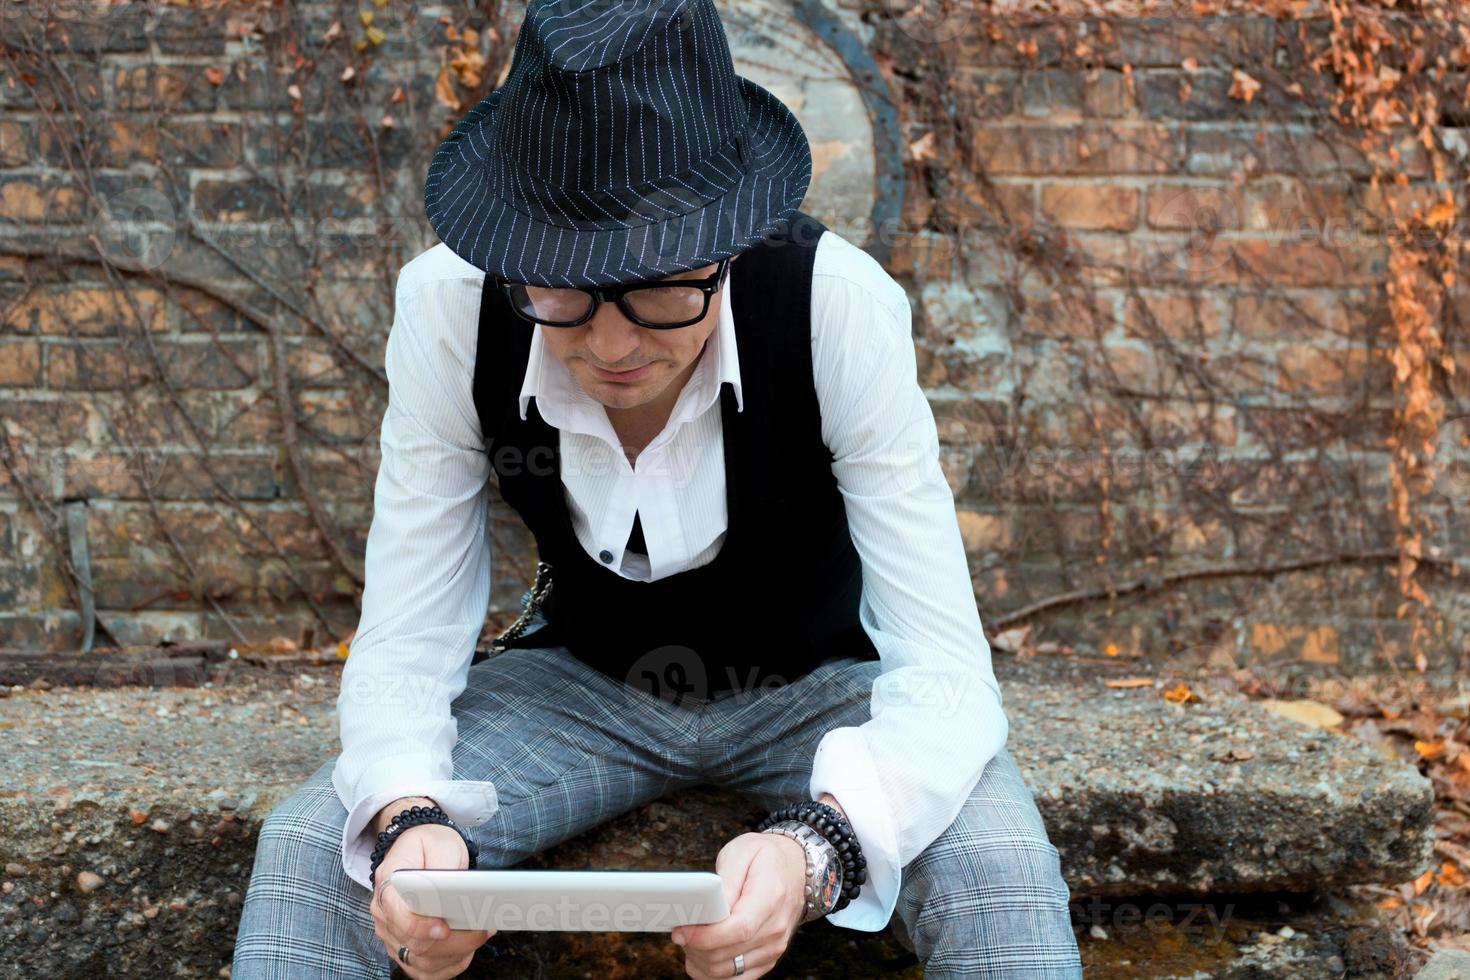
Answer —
823 867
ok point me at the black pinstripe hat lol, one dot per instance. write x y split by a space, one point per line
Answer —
622 146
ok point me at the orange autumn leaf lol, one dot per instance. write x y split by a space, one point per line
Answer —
1450 874
1423 881
1181 694
1429 750
1130 682
1242 86
1111 650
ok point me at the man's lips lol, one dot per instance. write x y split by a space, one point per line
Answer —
632 375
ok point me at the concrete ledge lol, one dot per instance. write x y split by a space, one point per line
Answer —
130 817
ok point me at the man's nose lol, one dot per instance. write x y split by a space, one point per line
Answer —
611 336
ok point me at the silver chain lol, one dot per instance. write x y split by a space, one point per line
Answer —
538 596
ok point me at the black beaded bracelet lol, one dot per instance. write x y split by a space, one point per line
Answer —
414 816
831 824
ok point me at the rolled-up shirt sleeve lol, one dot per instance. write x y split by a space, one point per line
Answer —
427 574
937 719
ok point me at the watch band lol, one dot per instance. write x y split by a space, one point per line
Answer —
823 868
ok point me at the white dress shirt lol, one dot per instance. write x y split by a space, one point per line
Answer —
937 717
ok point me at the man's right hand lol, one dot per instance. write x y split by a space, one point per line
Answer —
436 952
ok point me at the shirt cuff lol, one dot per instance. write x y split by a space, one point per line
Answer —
844 767
468 803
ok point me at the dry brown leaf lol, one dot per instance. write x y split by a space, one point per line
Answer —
1308 712
1243 86
444 89
923 147
1429 749
1130 682
1180 694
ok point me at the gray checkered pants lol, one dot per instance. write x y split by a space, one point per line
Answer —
568 748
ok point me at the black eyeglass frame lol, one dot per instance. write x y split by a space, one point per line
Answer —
615 293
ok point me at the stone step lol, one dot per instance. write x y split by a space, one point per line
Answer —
129 817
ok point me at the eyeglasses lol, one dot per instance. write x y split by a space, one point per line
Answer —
659 304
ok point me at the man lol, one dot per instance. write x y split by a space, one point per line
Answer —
704 406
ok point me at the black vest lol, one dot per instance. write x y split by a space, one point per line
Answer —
781 595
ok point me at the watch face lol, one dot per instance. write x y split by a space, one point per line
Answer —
828 886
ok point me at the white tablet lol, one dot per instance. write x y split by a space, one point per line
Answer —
564 901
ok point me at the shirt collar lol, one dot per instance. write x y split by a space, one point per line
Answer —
554 388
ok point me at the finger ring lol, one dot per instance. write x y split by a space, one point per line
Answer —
403 955
739 963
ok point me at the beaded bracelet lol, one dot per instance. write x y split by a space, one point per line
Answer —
831 824
414 816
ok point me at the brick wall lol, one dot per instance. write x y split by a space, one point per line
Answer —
1145 311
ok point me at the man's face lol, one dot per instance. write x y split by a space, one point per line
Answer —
651 360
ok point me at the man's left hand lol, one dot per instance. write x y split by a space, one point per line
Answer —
765 879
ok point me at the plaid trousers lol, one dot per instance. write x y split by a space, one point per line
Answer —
568 748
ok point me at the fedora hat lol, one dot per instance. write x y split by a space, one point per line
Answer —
622 146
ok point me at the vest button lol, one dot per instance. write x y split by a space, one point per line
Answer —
606 555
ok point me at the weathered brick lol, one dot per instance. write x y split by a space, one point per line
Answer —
1057 93
1304 209
1309 642
28 82
922 254
95 364
91 28
1308 264
1321 370
52 629
1098 207
207 362
200 143
190 31
162 88
15 142
334 417
1193 207
40 199
237 200
1138 368
986 93
332 478
1204 96
1036 150
49 421
1193 316
983 533
1169 41
20 363
1293 313
86 311
968 202
170 475
1065 314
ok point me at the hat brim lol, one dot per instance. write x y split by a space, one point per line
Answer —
488 233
